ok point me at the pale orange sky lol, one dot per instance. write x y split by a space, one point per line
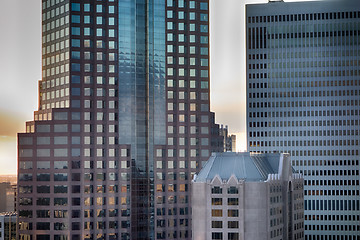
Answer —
20 69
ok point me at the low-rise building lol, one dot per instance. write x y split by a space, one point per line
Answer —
249 197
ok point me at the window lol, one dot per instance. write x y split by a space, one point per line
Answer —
233 236
60 165
204 28
60 201
25 165
217 213
233 190
75 31
233 213
216 224
203 17
87 7
216 201
217 235
233 224
191 4
75 7
43 189
75 19
43 201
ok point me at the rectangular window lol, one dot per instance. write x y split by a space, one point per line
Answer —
216 224
204 28
233 236
233 190
217 213
203 6
233 201
217 235
233 224
233 213
216 201
75 7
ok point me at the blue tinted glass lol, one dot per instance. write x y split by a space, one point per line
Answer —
111 9
87 31
204 51
87 19
75 55
75 7
204 85
204 62
203 17
204 39
87 7
75 19
192 4
75 91
75 42
203 6
204 28
204 73
75 103
75 79
75 31
75 67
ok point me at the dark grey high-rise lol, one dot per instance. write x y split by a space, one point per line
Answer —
123 121
303 97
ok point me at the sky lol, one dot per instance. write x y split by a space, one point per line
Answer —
20 69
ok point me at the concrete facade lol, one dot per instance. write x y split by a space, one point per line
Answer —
303 93
242 205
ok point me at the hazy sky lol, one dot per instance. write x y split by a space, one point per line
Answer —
20 69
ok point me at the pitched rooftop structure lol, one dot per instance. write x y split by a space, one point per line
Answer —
248 196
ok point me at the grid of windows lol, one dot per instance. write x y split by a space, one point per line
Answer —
303 86
78 159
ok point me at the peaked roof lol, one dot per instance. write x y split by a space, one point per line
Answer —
245 166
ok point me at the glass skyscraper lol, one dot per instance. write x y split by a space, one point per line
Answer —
123 121
303 97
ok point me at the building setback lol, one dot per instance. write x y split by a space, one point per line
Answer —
123 123
248 196
303 88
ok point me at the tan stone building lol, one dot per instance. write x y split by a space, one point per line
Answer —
248 197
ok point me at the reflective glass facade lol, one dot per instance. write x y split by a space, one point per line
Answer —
123 124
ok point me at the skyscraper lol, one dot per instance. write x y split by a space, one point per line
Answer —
303 93
123 121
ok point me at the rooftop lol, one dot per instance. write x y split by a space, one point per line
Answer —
245 166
